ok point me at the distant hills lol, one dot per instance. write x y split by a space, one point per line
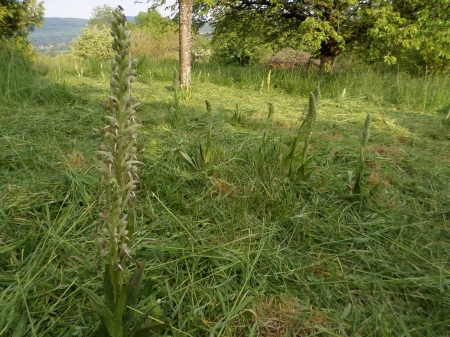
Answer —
57 31
61 31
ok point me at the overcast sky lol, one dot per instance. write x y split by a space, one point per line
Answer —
82 9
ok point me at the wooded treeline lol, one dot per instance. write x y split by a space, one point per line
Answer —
414 34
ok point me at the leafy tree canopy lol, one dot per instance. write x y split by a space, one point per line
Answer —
375 29
17 19
154 23
101 16
409 31
200 10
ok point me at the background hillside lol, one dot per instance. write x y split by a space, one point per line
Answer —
57 31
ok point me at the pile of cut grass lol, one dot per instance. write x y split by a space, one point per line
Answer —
234 247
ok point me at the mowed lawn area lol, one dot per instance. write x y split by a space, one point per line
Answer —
236 242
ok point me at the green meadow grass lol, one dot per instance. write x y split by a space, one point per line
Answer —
234 246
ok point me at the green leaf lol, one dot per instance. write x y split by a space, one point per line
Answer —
109 288
290 155
308 161
187 157
20 327
135 284
241 305
141 320
306 176
208 107
131 218
102 331
113 327
94 298
121 304
151 330
202 153
156 308
346 311
253 329
404 327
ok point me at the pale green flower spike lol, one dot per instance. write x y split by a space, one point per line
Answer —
117 167
118 152
366 132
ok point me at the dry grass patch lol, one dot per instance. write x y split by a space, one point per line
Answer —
278 317
74 159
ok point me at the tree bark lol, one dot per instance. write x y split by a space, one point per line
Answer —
185 42
329 50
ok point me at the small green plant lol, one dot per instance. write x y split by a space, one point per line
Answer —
175 113
205 152
261 88
358 188
238 116
266 133
304 132
117 166
303 171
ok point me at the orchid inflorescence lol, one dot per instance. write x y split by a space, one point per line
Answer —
118 171
117 155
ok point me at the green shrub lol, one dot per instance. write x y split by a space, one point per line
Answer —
94 42
230 49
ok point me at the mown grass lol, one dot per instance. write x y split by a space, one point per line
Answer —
234 247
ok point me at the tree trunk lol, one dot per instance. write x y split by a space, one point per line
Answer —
329 50
185 42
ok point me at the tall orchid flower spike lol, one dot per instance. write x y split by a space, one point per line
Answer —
117 165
